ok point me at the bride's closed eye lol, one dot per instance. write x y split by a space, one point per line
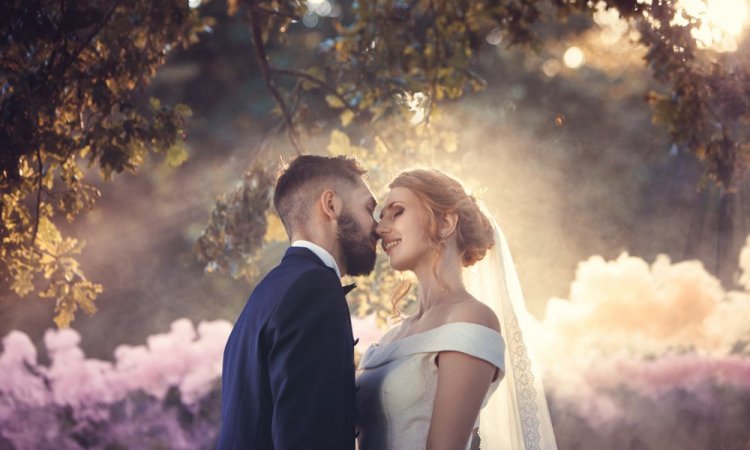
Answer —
391 211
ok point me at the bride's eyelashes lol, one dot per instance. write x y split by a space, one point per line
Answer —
397 211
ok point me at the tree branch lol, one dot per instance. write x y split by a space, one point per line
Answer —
93 33
38 196
334 92
435 66
73 56
319 82
272 12
266 72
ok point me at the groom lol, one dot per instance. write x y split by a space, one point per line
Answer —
288 375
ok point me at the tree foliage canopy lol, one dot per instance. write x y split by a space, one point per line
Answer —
70 77
72 74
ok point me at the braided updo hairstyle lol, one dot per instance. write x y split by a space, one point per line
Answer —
441 194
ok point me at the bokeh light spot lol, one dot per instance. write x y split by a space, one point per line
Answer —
574 57
494 37
310 20
551 67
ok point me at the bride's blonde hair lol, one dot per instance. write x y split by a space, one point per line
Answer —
441 194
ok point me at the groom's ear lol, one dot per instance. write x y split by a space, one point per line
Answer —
331 204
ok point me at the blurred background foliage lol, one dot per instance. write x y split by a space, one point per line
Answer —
553 125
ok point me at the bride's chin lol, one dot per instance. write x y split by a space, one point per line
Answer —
398 265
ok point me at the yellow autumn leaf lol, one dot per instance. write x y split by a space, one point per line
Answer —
50 270
339 143
22 284
65 315
176 155
48 236
334 102
346 117
48 180
46 259
315 72
183 110
83 295
140 41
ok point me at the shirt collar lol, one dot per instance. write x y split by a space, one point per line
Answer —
320 252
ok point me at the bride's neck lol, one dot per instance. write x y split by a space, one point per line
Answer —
436 286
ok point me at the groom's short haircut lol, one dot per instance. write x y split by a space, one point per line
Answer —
303 180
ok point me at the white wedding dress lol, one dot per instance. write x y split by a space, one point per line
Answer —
398 383
398 380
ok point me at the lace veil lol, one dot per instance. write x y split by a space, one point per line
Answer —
516 416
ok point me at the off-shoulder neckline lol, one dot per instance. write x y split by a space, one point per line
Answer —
433 329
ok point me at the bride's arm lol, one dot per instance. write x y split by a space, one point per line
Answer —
463 382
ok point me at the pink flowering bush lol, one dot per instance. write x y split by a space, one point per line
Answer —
648 356
165 394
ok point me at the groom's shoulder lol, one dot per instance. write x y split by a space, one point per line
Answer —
287 288
295 273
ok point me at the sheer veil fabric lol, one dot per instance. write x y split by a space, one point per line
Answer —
517 416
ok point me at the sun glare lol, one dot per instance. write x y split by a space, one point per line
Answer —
418 104
722 22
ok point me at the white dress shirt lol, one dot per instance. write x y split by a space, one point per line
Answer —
320 252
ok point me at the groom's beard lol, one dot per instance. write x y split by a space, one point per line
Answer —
356 244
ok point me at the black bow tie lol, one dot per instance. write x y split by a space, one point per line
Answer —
348 288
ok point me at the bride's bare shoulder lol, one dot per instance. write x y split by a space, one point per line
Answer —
474 311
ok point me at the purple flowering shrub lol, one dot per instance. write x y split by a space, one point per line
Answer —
165 394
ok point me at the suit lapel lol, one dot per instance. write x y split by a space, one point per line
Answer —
308 254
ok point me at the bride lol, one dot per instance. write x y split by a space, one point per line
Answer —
463 351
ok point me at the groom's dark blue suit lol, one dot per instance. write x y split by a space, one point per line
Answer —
288 375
